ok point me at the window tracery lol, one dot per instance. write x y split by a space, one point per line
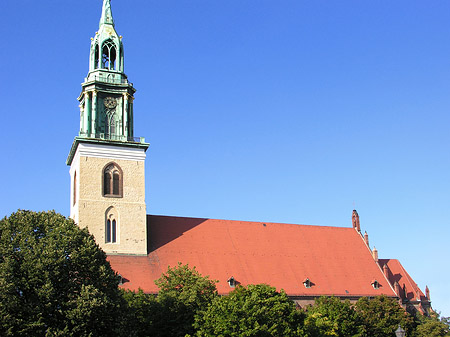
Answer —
109 55
111 226
112 180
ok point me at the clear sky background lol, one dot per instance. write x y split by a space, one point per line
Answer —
278 111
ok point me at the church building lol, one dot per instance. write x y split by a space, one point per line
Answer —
107 177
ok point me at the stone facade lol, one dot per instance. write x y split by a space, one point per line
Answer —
91 208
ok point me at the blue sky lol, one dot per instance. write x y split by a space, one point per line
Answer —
282 111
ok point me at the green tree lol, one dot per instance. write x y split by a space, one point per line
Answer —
253 311
431 326
446 321
183 292
331 317
143 315
54 279
381 316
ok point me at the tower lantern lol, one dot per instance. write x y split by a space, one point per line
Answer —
106 160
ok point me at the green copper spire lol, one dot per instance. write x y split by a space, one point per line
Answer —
106 45
106 99
106 18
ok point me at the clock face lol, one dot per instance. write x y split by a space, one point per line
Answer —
110 102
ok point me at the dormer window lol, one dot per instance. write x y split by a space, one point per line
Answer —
231 282
375 284
307 283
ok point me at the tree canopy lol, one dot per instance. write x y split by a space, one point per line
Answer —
330 316
54 279
432 326
183 292
381 316
253 311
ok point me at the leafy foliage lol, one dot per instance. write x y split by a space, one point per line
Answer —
432 326
143 315
331 317
55 280
381 316
256 310
183 293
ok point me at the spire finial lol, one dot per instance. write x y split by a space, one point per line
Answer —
106 18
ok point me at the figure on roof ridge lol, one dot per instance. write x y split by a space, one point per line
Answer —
375 254
366 238
355 220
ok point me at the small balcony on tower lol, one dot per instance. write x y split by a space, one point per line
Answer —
107 77
113 137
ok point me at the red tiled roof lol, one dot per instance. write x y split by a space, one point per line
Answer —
335 259
398 274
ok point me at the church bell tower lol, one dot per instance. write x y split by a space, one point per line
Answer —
106 160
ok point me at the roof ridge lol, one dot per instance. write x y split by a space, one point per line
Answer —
248 221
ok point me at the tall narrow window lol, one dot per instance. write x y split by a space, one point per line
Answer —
107 183
110 125
116 178
108 230
113 231
111 225
74 188
112 181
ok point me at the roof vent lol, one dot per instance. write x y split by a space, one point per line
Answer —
120 279
307 283
375 284
232 282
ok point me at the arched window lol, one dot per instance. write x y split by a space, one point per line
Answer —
74 188
111 226
109 55
112 181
